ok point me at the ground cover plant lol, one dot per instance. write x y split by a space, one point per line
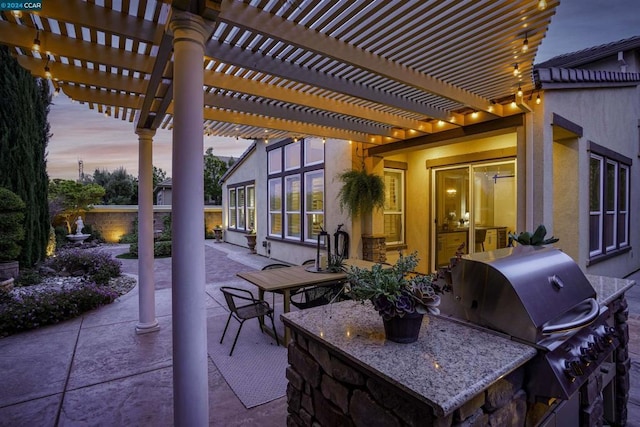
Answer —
64 287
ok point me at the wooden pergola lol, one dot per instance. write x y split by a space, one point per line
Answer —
377 72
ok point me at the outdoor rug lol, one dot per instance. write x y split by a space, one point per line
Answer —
256 371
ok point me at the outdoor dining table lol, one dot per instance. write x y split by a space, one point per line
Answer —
288 279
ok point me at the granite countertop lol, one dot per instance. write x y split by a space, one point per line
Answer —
448 365
609 288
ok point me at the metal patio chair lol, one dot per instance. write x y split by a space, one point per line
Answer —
244 306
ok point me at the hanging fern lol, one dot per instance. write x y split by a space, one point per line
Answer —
361 192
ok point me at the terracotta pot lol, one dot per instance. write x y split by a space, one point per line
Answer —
403 329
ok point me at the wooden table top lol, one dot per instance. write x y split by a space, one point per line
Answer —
296 276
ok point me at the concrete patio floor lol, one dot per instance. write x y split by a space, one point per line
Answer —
94 370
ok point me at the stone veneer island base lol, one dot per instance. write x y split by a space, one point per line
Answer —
343 373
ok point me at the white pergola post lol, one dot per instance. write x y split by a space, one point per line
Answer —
147 321
190 368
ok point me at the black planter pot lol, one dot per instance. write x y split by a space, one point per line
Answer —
403 329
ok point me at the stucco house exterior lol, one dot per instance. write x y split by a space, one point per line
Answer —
565 161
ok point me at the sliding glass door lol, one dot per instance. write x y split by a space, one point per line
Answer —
474 207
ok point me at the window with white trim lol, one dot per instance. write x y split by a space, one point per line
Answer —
394 206
608 203
242 206
296 189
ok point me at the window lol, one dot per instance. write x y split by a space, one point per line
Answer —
394 206
608 202
242 206
232 208
296 189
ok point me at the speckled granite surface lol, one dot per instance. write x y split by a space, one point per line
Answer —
609 288
448 365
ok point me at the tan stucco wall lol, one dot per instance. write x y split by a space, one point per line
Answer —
116 221
608 117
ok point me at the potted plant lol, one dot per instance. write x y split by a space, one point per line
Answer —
532 239
11 235
251 239
361 192
401 296
217 233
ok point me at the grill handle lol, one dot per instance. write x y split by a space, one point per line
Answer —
562 327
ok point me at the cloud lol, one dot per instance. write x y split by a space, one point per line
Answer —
79 133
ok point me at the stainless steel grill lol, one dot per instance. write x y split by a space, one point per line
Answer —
541 297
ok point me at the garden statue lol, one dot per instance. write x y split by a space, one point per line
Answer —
79 225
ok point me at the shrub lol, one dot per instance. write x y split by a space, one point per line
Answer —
11 224
28 277
97 266
23 312
160 249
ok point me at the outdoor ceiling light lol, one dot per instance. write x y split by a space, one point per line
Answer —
515 69
542 5
525 44
47 70
36 42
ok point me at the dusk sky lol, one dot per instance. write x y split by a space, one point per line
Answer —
107 143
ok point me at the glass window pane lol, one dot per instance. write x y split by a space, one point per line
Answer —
595 246
595 184
393 228
292 156
314 188
292 186
241 211
275 224
275 160
622 189
314 222
313 151
293 225
275 194
610 194
392 189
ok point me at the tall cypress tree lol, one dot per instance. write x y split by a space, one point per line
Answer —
24 134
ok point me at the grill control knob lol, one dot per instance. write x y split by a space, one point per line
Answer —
589 351
568 371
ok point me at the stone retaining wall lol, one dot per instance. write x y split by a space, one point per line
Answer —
116 221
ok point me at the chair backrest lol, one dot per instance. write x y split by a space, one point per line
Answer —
481 234
276 265
228 296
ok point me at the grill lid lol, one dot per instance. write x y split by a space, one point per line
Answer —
526 292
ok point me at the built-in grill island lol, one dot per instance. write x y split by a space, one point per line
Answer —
539 296
524 339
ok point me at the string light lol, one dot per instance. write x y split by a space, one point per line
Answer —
538 100
519 91
47 70
525 44
516 70
542 4
36 42
17 13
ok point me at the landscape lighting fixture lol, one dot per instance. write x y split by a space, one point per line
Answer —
515 69
36 42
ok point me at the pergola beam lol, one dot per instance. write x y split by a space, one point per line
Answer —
253 19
